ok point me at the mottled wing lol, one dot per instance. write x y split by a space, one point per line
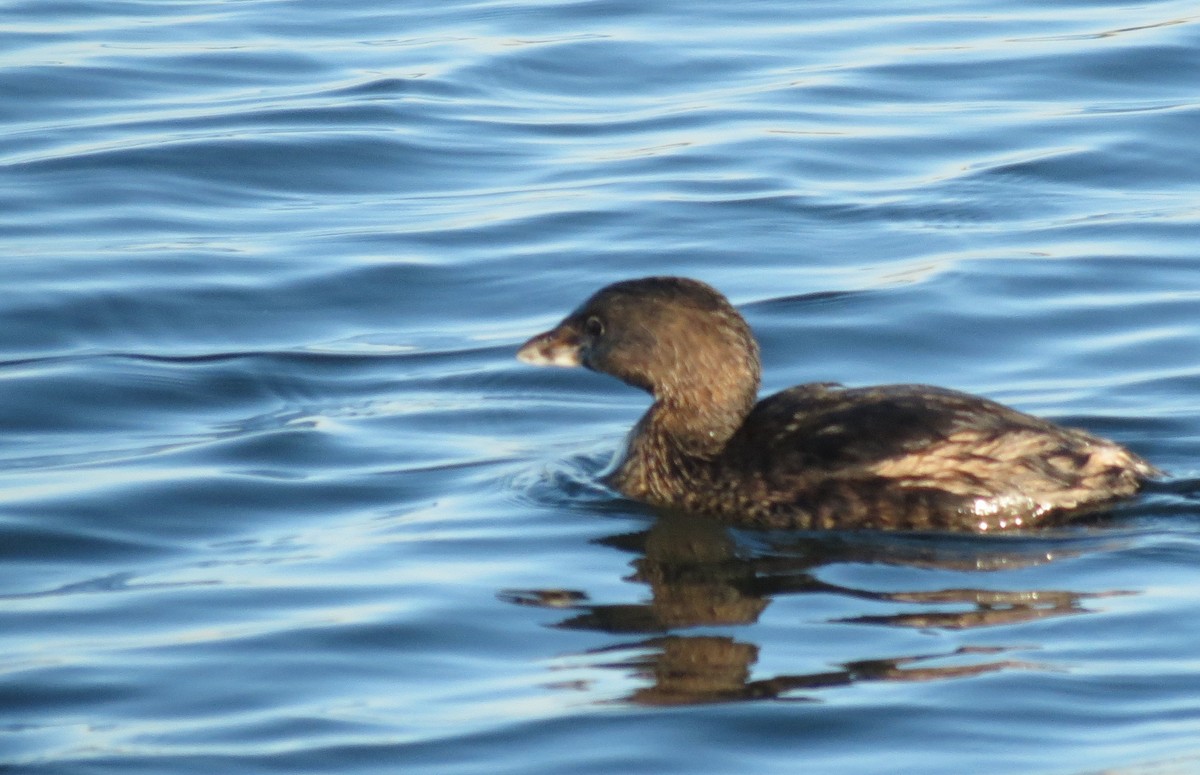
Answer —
825 428
914 447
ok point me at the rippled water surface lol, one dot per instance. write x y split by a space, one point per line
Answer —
276 497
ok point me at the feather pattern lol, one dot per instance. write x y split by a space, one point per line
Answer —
819 456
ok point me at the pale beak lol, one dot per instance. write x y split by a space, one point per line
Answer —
556 347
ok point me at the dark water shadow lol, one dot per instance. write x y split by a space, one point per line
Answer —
709 669
702 574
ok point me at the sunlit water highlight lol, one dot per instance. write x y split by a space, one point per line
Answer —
276 497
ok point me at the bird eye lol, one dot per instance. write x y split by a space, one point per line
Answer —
594 326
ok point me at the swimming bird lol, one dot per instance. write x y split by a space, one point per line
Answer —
817 456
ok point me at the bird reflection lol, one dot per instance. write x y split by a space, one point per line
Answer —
699 577
703 669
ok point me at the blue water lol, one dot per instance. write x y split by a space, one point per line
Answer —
275 496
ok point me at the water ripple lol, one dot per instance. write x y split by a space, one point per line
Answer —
274 493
